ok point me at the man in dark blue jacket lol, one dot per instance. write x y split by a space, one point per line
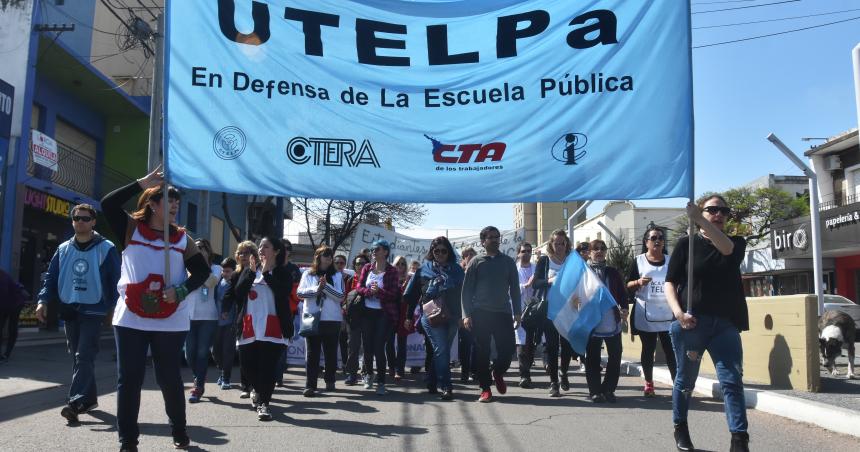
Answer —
82 276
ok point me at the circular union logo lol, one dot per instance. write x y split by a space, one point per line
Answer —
799 239
229 143
80 267
567 148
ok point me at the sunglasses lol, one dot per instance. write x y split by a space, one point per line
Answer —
440 251
82 218
713 210
656 238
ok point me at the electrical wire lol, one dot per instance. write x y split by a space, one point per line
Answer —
776 19
85 25
774 34
745 7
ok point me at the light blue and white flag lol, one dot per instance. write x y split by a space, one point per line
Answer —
577 301
441 101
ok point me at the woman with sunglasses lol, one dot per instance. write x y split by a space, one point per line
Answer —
608 331
261 294
717 316
379 285
651 313
204 323
321 289
353 326
439 279
151 315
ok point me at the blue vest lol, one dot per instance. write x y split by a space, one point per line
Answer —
80 279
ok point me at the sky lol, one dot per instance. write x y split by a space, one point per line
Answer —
793 85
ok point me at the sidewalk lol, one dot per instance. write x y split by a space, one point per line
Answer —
836 407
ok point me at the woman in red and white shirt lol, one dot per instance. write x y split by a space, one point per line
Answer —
262 295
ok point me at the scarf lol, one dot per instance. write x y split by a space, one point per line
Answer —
442 277
599 268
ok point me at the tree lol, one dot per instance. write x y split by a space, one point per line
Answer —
754 211
621 254
340 218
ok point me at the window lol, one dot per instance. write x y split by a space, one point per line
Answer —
72 137
191 217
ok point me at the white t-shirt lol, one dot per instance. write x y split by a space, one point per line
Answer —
373 302
331 299
553 268
203 300
652 312
261 321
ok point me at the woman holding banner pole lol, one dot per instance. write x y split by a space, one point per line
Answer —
322 291
717 315
148 314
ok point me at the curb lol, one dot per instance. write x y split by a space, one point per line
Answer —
837 419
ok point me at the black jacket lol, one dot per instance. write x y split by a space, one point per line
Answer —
280 281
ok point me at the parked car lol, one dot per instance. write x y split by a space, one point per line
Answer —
840 303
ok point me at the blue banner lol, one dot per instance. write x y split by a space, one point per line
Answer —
431 101
7 100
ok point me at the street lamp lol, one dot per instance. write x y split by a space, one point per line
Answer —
814 216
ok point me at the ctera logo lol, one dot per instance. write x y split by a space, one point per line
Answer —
467 153
567 148
331 152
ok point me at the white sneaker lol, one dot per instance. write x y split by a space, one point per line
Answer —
368 382
244 394
263 412
254 400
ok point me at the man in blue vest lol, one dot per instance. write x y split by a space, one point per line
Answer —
82 276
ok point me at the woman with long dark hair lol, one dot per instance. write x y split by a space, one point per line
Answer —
353 326
322 291
261 293
378 284
651 312
439 280
204 323
149 313
718 315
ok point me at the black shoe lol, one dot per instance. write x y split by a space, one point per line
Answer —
447 394
464 378
740 442
181 440
83 409
598 398
309 392
526 383
329 386
432 389
565 383
610 397
553 390
682 437
127 448
70 413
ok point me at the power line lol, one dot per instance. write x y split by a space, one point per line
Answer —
776 19
745 7
85 25
774 34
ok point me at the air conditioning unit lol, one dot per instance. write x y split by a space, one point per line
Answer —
832 163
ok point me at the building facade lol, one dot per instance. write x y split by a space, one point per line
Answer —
625 220
539 219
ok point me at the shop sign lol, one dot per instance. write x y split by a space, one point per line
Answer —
47 203
784 240
841 220
7 97
44 150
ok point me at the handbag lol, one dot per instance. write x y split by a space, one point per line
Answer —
436 312
310 324
535 313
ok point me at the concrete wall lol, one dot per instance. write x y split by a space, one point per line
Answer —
780 349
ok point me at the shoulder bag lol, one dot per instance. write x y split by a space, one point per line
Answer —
535 313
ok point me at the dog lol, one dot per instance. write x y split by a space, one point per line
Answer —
836 330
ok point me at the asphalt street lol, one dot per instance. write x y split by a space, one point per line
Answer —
352 419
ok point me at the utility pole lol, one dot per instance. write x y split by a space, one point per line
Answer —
813 215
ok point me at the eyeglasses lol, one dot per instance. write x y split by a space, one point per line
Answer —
81 218
713 210
440 251
656 238
599 249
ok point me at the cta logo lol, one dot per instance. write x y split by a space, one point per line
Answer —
331 152
467 153
568 148
799 239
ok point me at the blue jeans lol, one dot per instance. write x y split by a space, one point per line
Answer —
82 339
197 345
131 345
722 340
441 338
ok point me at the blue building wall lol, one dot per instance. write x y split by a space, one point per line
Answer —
81 13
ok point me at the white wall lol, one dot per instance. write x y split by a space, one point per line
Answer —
15 27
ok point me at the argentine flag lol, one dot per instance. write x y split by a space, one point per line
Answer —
577 301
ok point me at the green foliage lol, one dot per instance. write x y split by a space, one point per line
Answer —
754 211
621 254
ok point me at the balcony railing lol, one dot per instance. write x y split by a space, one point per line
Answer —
78 172
842 201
